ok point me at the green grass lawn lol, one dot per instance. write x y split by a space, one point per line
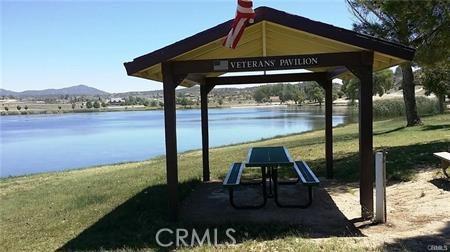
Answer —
122 206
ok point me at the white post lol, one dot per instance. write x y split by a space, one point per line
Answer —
380 182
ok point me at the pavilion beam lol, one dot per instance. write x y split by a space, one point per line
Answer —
366 163
204 90
270 63
270 78
169 85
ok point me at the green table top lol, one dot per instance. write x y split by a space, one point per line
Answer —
268 156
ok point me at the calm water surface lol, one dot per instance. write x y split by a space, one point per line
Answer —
41 143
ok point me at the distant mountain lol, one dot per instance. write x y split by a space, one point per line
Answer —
75 90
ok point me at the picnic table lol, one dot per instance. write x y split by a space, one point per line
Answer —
269 160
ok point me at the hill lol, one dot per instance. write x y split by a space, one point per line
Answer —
74 90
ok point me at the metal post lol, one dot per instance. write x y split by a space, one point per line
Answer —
171 140
205 134
380 184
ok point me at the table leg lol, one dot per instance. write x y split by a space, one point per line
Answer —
270 171
275 187
444 166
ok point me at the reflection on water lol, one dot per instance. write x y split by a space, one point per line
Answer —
39 143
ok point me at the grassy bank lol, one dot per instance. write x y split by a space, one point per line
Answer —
122 206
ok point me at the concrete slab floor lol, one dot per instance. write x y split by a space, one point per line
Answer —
209 205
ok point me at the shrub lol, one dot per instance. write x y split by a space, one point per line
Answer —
396 107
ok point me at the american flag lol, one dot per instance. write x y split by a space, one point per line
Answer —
244 15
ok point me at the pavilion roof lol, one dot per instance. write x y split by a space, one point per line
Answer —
274 33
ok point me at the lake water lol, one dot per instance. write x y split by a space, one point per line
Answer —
41 143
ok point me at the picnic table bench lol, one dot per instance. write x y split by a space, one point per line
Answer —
269 159
445 161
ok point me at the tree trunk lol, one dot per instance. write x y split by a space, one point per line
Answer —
441 98
409 95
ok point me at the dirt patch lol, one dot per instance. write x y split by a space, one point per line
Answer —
418 212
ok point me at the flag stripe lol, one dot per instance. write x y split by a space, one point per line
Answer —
244 15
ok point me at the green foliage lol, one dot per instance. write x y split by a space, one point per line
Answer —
96 104
103 104
73 105
299 96
423 25
387 108
383 81
314 92
436 80
298 93
220 101
26 107
19 107
184 101
6 108
89 104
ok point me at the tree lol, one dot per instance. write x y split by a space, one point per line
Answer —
436 80
26 107
73 105
299 96
6 109
314 92
350 89
19 107
259 95
89 104
103 105
420 24
220 101
59 107
96 104
383 81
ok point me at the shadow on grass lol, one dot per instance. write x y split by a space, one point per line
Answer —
132 224
434 242
435 127
388 131
401 163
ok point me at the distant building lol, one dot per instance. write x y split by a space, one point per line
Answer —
116 101
274 99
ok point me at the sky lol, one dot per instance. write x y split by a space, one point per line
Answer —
56 44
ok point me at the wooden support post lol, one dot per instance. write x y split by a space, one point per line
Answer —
171 140
366 142
328 85
366 163
204 90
